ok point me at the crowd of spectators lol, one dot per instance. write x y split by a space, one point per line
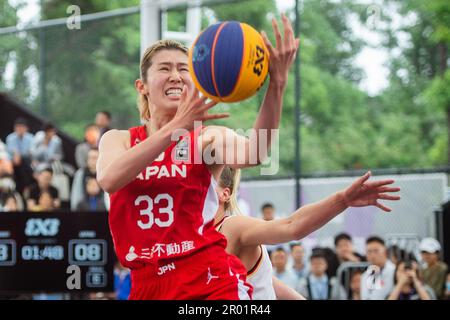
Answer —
35 177
378 273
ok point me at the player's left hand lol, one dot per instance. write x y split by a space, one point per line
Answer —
364 193
281 56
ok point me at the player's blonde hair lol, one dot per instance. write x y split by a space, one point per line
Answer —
146 63
230 178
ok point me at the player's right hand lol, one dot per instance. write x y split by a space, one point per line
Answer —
194 108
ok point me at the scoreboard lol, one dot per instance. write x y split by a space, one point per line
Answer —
38 252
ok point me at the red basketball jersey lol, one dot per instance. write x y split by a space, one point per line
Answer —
168 210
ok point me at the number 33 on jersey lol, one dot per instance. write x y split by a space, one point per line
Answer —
168 210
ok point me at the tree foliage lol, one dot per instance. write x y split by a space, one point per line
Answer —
342 127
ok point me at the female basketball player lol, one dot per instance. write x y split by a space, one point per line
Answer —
246 235
162 201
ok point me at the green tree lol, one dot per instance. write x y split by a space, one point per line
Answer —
16 49
93 68
418 79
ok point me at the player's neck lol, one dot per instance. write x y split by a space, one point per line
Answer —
219 215
157 121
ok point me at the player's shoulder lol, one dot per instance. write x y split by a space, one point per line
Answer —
210 134
115 136
215 133
213 129
239 221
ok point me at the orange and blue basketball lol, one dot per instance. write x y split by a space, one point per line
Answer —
229 61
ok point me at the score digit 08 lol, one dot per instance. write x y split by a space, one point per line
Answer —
92 252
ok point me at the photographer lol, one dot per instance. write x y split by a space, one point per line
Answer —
408 284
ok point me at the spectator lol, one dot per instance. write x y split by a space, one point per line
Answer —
103 122
396 254
279 259
408 284
94 200
268 211
91 136
344 249
332 260
317 285
79 180
8 202
298 258
344 252
8 187
355 285
6 166
378 280
18 145
44 178
46 202
46 147
435 271
447 288
122 282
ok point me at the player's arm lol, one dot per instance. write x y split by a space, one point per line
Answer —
252 231
118 164
283 292
281 58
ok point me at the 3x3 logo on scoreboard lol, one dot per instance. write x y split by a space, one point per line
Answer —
37 249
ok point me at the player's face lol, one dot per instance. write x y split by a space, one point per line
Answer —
166 77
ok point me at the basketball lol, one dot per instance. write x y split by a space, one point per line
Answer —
229 61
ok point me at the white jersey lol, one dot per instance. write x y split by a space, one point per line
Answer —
260 276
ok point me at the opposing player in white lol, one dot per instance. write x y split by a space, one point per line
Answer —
247 236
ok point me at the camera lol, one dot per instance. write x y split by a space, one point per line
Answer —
408 265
